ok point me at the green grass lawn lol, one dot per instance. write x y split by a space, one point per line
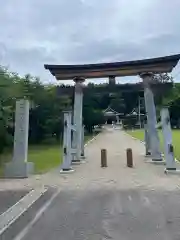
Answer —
44 157
139 134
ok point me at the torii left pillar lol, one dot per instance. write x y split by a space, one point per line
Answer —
77 118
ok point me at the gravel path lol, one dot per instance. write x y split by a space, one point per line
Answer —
144 174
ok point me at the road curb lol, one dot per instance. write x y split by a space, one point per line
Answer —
37 216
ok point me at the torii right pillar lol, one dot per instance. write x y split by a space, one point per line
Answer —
77 118
151 117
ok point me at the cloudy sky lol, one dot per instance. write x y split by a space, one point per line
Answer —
34 32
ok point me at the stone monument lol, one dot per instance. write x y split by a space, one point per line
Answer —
19 167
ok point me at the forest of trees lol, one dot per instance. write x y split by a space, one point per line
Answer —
47 103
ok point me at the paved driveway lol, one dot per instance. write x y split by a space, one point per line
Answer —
113 203
110 214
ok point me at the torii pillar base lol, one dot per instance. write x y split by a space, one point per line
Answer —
172 171
66 171
76 162
83 157
18 170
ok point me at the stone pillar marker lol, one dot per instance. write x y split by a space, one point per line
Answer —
167 137
147 141
117 119
19 167
66 165
151 117
77 117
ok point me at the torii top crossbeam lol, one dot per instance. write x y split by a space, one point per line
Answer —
103 70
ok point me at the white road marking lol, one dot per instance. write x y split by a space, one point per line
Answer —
14 212
24 232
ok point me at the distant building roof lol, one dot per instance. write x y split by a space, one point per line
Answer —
111 112
134 113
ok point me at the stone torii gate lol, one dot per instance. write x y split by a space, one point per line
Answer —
143 68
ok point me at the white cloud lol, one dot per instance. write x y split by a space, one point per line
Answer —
75 31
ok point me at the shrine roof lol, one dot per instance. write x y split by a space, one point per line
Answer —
110 111
119 69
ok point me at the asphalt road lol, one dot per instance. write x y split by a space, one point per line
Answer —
110 214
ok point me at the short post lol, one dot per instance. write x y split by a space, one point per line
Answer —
19 167
167 136
129 158
103 158
66 165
